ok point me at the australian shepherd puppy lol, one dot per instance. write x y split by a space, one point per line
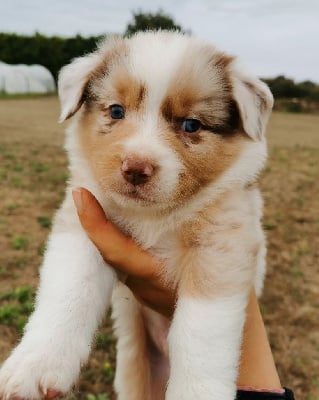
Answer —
167 131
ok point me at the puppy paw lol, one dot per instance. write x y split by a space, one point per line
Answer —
36 374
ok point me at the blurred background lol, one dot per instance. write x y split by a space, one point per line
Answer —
277 40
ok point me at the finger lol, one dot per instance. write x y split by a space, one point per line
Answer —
52 394
159 298
116 248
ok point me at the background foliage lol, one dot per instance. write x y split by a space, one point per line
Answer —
147 21
54 52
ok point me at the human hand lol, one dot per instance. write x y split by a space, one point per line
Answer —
142 270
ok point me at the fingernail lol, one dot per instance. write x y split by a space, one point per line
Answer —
77 198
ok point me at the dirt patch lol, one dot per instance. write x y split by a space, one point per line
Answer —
33 172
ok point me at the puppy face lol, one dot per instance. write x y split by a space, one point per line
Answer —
161 117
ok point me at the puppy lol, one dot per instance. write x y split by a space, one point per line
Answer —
168 133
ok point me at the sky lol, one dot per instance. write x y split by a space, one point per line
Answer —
271 37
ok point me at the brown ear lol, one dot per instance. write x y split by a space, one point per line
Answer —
73 79
254 101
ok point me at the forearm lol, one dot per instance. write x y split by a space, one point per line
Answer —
257 367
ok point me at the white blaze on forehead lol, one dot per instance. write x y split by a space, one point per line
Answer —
155 63
154 60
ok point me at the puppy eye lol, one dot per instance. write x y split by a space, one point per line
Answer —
191 125
117 111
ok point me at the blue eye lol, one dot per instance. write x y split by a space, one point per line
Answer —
191 125
117 111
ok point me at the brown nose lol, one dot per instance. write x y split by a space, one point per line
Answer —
136 172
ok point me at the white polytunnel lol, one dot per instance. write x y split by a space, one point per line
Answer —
21 78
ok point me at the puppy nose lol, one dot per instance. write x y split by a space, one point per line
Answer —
137 172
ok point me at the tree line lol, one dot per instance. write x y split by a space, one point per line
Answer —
54 52
286 88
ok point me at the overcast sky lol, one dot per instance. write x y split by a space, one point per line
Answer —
271 37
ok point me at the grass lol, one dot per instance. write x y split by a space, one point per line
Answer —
104 340
44 221
19 243
97 397
33 172
16 306
108 372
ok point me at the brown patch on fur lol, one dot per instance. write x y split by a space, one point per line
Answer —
109 56
102 145
205 160
115 85
201 90
222 60
232 267
130 92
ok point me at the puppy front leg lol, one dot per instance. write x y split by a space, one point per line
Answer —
75 290
204 347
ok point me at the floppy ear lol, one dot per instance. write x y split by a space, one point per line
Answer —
254 101
72 82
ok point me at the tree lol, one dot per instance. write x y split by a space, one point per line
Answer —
286 88
283 87
149 21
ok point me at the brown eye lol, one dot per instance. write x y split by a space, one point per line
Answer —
191 125
117 111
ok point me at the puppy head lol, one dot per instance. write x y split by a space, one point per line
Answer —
160 116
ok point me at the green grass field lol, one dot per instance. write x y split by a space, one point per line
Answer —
33 172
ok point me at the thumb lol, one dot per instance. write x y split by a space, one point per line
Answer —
117 249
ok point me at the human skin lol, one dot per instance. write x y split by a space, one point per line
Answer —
257 368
